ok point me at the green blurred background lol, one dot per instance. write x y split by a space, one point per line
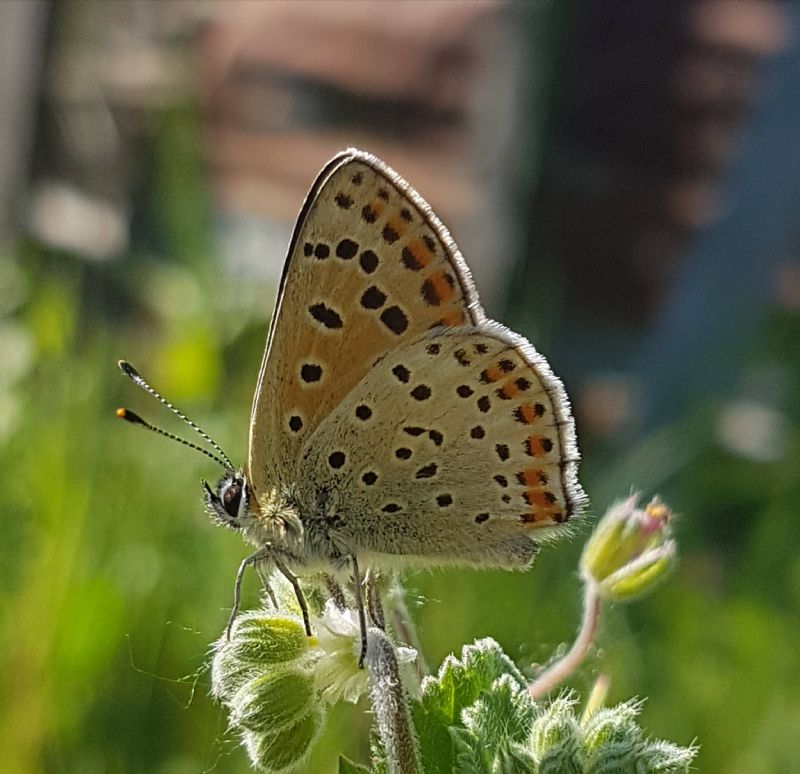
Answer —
625 181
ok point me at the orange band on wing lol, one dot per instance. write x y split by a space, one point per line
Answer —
538 446
417 255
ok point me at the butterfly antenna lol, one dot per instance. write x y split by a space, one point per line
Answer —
135 419
136 378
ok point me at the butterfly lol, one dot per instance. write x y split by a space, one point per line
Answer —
393 423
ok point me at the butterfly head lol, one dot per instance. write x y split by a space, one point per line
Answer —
229 503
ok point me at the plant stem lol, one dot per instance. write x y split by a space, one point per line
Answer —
556 673
389 704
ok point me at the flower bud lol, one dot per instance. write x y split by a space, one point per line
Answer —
630 550
263 675
258 641
273 701
285 750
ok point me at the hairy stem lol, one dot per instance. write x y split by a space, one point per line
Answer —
392 715
404 627
556 673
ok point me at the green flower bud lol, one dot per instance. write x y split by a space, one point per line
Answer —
285 750
268 639
629 551
272 702
264 676
258 641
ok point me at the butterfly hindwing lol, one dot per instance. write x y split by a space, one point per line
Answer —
369 269
457 446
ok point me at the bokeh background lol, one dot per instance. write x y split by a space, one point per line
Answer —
624 179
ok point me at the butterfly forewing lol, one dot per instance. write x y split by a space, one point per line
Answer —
457 446
369 269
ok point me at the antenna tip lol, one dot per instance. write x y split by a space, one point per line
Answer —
129 416
127 369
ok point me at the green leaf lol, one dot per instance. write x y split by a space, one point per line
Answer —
496 726
611 725
470 758
660 757
444 697
500 716
556 738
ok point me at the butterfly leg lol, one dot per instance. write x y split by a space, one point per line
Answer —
372 583
362 615
298 592
264 575
254 558
335 592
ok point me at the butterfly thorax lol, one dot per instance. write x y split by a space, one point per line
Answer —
272 519
299 534
304 538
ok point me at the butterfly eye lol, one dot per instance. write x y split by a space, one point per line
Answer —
231 498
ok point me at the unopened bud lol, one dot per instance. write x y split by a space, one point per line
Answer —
258 641
630 550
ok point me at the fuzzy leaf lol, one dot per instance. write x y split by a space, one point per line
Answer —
555 724
659 757
613 725
443 698
556 738
470 758
500 716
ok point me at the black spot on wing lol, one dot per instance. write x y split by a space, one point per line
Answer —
324 314
394 318
427 471
436 437
346 249
363 412
401 373
373 298
336 459
421 392
310 372
369 261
